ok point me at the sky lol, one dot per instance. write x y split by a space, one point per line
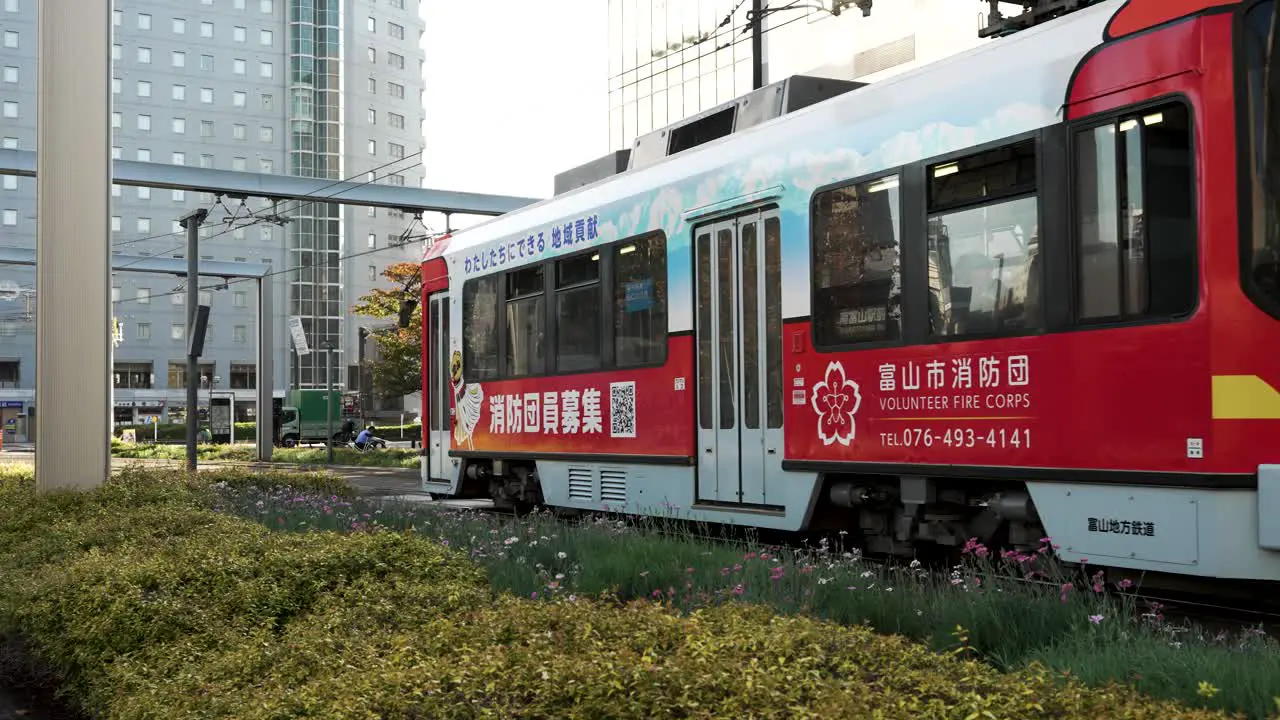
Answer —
516 91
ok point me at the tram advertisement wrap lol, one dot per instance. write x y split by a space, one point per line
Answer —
963 409
624 412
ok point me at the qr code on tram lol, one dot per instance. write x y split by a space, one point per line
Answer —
622 409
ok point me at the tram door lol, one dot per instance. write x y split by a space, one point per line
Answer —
441 387
738 327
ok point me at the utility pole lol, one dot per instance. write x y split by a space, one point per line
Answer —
328 394
757 44
191 222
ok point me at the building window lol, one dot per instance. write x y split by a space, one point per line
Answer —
370 24
266 6
373 147
984 266
206 161
526 322
373 272
578 306
640 302
144 55
144 21
179 26
239 98
373 85
265 70
178 158
264 38
179 298
239 34
115 294
239 66
395 120
395 60
11 74
206 128
395 150
10 39
10 109
240 298
10 182
144 193
116 85
373 116
239 333
267 100
1135 198
206 29
144 225
373 55
117 16
179 59
143 331
206 96
133 376
9 369
144 296
115 223
395 31
266 134
856 263
395 90
243 375
373 240
238 131
144 88
180 126
9 217
117 52
206 63
179 196
480 315
144 123
11 143
179 92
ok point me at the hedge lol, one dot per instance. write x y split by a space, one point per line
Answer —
145 602
246 431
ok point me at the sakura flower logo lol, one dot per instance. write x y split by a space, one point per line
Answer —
836 399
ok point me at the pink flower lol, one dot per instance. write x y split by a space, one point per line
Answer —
738 589
1095 619
836 399
1125 584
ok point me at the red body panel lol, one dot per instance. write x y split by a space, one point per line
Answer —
1138 15
664 401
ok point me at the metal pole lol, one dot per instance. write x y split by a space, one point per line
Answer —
328 397
757 44
73 246
191 222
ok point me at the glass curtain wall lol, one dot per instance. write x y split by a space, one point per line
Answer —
315 235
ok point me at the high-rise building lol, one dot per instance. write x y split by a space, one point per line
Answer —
315 88
670 59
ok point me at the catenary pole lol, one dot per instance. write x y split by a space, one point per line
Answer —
191 223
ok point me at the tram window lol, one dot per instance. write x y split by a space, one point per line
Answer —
578 313
984 266
640 301
857 272
1135 229
1261 54
526 322
480 319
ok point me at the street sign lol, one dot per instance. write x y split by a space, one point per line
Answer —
299 337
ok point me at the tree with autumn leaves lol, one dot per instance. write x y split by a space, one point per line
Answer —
397 370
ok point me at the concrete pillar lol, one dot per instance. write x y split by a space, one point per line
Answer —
73 269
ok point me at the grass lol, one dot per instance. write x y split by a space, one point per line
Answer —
388 458
1071 628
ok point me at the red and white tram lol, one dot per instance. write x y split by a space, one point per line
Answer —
1031 290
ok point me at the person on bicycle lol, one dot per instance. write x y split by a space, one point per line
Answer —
364 437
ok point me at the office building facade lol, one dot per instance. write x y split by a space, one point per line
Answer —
329 89
670 59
